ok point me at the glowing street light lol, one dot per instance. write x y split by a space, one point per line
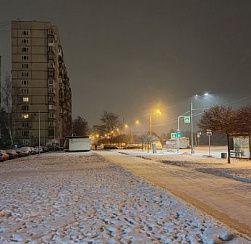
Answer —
191 119
156 112
137 122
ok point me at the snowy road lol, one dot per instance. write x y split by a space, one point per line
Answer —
82 198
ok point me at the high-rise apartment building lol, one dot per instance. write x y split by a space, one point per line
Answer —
0 82
41 93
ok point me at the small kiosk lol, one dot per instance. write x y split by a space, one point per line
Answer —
77 144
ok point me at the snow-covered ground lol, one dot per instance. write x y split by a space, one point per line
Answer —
67 198
238 169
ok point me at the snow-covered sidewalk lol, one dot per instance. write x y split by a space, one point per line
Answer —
226 199
238 169
67 198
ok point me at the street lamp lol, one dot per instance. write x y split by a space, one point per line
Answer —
137 122
191 119
156 112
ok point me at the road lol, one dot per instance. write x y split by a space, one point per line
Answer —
225 199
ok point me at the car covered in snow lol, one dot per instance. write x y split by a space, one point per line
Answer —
12 153
3 155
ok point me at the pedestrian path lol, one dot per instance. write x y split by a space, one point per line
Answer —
227 200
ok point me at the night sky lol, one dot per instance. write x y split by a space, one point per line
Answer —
128 56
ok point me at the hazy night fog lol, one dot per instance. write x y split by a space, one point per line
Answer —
128 56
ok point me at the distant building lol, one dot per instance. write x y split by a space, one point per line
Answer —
40 84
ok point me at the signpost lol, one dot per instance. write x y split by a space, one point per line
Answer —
187 119
209 134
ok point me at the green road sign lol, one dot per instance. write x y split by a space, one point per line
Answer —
175 135
187 120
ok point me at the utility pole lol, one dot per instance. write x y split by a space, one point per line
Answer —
39 133
191 125
150 124
178 130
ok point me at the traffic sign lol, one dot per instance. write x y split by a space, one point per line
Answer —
209 132
173 135
187 119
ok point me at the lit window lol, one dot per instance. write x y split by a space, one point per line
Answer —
25 99
25 116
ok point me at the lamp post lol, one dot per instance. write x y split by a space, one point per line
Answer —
39 133
158 112
191 120
191 125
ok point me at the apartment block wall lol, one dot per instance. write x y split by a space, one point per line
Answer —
36 69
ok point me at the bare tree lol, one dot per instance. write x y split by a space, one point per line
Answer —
80 126
6 94
243 120
109 122
226 120
6 104
219 119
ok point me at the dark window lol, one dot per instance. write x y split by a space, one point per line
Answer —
25 57
25 124
25 49
25 74
25 133
24 82
51 132
25 108
25 41
25 32
25 66
51 115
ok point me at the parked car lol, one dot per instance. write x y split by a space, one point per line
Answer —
12 153
45 149
20 152
33 151
110 146
26 150
4 155
2 158
38 149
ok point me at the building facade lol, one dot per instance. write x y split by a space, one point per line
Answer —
41 92
0 82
